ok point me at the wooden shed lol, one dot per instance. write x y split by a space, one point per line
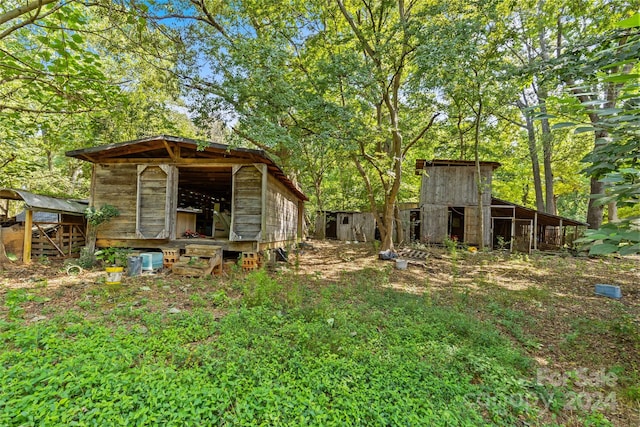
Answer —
48 227
171 191
449 200
346 226
449 208
363 227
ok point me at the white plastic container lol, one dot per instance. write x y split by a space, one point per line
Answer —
151 261
401 264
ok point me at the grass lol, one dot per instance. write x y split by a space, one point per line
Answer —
289 349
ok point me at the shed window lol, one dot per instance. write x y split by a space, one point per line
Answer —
345 220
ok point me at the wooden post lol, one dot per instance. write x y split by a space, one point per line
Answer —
300 221
513 229
265 188
535 231
561 234
28 224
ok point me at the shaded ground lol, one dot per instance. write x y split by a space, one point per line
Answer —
544 303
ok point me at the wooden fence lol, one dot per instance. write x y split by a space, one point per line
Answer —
57 240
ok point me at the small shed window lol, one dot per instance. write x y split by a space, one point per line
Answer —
345 220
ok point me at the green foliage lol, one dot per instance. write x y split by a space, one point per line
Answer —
113 256
97 217
50 67
451 245
607 88
354 353
621 237
14 298
260 289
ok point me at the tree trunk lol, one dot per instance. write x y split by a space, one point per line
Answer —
480 184
547 137
92 236
595 210
535 163
612 212
318 190
387 235
385 219
547 148
399 225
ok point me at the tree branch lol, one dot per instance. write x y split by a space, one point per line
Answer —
210 19
420 135
22 10
31 20
9 160
365 44
255 142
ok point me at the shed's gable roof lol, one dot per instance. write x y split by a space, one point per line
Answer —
175 149
422 163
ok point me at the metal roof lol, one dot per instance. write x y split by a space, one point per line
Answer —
38 202
529 213
38 216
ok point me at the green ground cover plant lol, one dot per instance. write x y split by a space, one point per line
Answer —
497 340
351 353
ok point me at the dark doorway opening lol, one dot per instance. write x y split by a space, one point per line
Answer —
456 223
414 221
502 233
331 227
204 202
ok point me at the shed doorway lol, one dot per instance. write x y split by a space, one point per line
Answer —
502 233
331 227
415 225
204 202
456 223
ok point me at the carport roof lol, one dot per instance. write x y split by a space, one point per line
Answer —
523 212
38 202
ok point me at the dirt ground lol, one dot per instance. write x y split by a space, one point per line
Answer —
545 303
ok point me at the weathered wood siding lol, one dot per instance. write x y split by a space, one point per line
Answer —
472 228
155 214
142 194
246 210
435 223
454 186
320 226
63 242
116 185
13 239
360 226
281 213
405 218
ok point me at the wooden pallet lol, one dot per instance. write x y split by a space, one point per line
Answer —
199 260
413 254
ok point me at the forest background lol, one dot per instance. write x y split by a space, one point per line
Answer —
344 94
